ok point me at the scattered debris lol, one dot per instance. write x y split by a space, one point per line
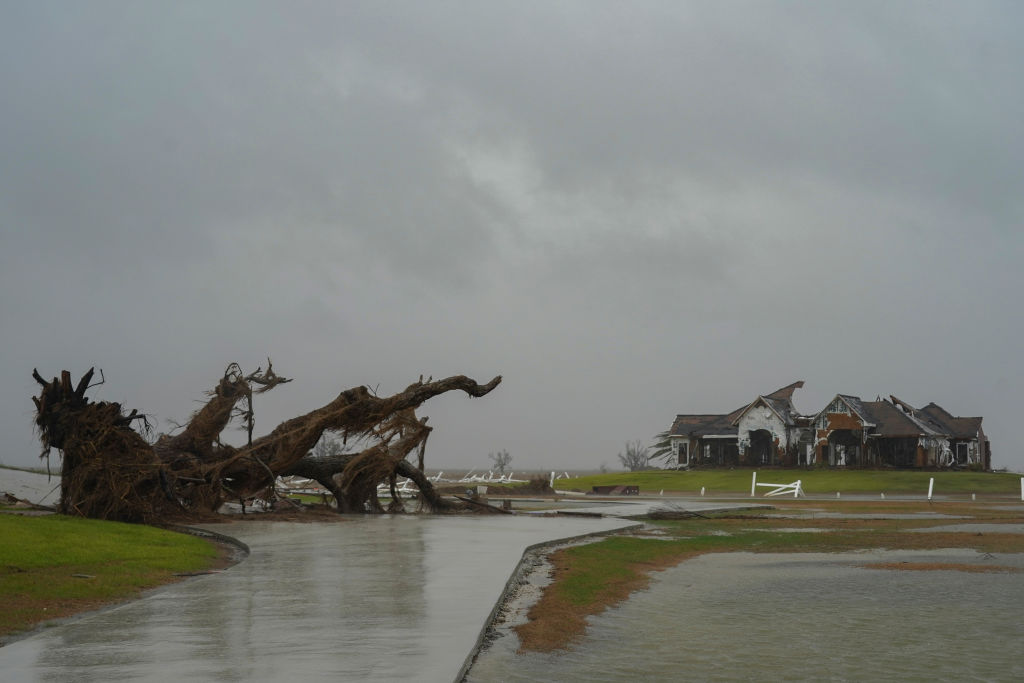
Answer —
484 506
673 511
615 490
9 500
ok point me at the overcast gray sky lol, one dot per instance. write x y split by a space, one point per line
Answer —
629 210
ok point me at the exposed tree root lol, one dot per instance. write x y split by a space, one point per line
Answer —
110 471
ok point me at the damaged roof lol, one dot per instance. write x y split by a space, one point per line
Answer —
704 425
857 406
896 418
786 392
884 418
936 420
780 400
960 427
890 421
782 406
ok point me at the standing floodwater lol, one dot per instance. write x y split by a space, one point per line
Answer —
368 598
742 616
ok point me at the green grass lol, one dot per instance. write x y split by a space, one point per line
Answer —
602 565
590 577
814 481
309 498
40 556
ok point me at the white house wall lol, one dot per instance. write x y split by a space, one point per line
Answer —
762 418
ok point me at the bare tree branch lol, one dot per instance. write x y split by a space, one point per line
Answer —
110 471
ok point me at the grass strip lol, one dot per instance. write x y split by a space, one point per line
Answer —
814 481
53 566
592 577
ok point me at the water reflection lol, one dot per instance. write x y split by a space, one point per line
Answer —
376 598
796 617
266 621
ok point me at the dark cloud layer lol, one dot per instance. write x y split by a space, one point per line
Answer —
629 210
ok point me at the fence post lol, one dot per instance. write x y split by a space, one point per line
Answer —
931 485
753 486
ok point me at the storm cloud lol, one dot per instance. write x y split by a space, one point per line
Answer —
629 210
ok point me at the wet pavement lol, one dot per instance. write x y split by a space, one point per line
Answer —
377 598
371 598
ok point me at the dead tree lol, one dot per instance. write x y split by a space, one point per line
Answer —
109 471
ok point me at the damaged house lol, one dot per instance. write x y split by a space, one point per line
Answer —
848 432
766 431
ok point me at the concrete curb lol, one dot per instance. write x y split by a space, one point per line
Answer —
514 582
242 550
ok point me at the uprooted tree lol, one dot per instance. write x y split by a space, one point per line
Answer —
110 471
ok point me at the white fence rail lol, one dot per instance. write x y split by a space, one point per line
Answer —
777 489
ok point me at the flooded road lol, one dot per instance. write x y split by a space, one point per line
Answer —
743 616
405 598
374 598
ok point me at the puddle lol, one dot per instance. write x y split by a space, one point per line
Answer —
879 515
743 616
979 528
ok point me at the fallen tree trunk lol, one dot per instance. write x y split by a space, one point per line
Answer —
110 471
352 478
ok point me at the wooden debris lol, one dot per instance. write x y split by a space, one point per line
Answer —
110 471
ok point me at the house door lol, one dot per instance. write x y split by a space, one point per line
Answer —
961 453
845 448
684 453
761 447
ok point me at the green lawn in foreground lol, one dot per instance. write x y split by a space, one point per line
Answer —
39 557
814 481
